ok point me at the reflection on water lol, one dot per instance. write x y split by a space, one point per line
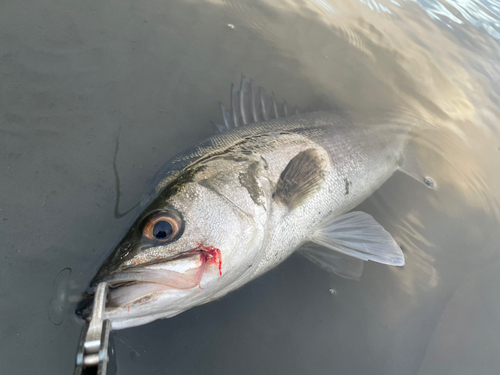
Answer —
481 14
74 74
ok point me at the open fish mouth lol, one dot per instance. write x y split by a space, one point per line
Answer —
136 283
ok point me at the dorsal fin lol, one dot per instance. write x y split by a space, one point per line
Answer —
252 104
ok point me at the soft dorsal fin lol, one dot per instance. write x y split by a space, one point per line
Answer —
412 166
358 235
332 261
252 104
300 179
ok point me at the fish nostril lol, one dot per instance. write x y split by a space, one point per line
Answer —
125 248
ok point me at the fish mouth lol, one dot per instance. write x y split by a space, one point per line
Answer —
138 283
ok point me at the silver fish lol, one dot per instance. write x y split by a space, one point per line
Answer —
234 206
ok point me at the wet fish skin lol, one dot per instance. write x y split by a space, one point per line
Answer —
225 191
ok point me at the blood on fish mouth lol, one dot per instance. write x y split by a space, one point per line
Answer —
138 282
210 253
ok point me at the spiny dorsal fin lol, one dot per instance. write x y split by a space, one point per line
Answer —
252 104
300 179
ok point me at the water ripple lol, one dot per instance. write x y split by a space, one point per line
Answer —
484 15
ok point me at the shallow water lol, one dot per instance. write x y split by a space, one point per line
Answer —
77 75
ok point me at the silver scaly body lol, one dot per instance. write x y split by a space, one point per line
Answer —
257 192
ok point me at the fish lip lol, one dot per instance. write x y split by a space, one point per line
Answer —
85 306
129 269
184 254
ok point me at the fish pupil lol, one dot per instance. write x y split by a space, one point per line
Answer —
162 229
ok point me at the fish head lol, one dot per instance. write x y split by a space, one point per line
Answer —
200 237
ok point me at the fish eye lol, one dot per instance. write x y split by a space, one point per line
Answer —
163 226
162 229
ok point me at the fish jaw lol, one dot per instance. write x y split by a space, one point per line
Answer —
184 273
134 291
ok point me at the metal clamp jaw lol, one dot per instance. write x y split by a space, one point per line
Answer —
95 353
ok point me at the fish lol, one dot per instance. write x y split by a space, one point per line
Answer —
274 180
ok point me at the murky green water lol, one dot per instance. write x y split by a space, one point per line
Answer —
75 75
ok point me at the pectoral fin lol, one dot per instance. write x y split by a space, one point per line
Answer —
300 179
331 261
358 235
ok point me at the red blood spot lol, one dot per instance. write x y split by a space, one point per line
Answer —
211 255
129 308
